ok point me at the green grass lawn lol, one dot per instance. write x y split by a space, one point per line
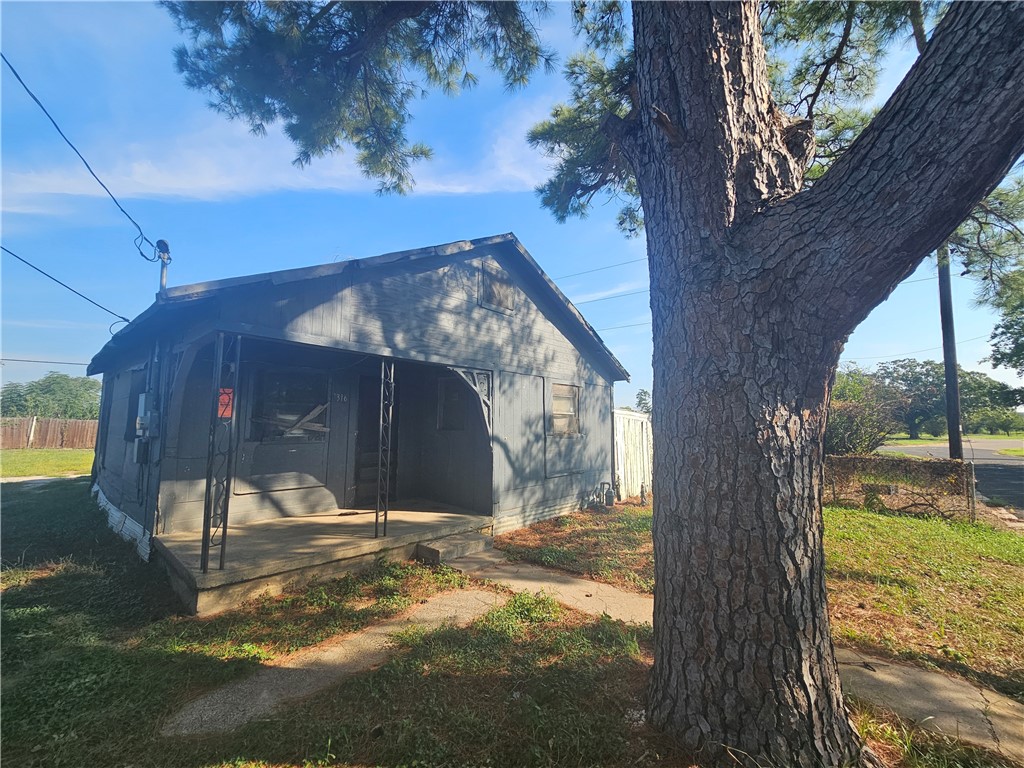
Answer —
1012 452
942 594
95 659
904 439
45 462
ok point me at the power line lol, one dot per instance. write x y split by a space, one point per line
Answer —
616 327
878 357
598 269
902 354
141 237
613 296
77 293
48 362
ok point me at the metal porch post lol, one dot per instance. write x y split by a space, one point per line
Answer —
387 402
221 451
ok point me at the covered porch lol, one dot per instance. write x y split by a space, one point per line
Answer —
267 556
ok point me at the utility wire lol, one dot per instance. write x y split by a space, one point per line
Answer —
616 327
141 236
77 293
647 290
613 296
48 362
902 354
598 269
878 357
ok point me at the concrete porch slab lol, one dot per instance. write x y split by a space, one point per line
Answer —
270 555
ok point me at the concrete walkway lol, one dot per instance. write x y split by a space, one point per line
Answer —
943 704
310 670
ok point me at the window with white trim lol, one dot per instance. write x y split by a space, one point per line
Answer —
565 410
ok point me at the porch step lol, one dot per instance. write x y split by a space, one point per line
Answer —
451 547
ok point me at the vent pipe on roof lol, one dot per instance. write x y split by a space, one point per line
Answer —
163 252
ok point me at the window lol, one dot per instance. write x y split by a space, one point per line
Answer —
565 409
289 405
496 289
451 405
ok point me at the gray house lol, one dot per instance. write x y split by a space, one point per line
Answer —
277 427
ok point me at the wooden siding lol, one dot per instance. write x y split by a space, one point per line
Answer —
432 313
429 312
120 478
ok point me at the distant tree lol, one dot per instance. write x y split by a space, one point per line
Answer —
643 401
861 415
56 395
993 421
922 389
1007 337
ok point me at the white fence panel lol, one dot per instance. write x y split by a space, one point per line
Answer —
634 451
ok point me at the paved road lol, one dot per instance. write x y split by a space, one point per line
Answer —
999 477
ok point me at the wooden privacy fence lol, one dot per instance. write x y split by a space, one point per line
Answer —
634 452
35 432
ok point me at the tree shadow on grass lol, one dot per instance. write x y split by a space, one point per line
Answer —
521 690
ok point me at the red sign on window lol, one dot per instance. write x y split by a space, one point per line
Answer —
225 403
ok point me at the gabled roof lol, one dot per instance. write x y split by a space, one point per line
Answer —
178 298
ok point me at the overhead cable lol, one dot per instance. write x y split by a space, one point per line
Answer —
613 296
598 269
65 285
47 362
141 238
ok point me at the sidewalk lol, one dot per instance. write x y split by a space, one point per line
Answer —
313 669
946 705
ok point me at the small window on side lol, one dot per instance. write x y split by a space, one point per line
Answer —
497 291
565 409
451 405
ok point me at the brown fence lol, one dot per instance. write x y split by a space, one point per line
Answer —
34 432
941 487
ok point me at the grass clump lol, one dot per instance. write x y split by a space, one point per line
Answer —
902 745
614 547
939 593
45 462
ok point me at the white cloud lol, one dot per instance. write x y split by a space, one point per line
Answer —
219 159
509 165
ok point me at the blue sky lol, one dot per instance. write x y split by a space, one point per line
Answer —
232 204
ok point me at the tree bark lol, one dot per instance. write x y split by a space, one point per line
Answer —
754 289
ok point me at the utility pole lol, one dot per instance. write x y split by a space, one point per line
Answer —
956 446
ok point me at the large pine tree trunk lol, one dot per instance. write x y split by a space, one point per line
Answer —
754 289
743 657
